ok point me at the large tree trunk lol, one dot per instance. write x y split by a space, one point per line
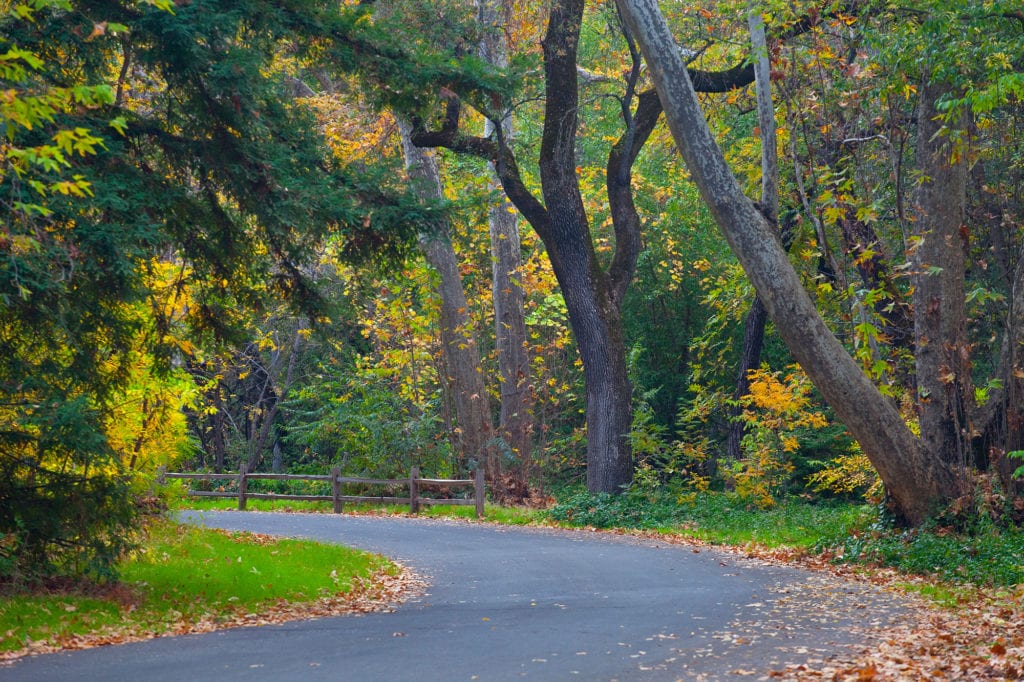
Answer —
591 297
516 419
458 343
942 354
916 482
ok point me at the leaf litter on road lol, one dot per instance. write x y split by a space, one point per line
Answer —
906 638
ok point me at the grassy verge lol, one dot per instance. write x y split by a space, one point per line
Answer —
191 579
991 557
512 516
717 518
849 533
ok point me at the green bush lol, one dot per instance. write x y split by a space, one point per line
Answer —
66 508
362 425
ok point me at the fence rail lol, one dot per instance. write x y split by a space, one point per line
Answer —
415 500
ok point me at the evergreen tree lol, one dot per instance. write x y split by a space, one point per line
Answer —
139 132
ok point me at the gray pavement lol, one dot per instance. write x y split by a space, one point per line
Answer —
511 604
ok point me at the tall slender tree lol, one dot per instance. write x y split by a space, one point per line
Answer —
461 362
516 420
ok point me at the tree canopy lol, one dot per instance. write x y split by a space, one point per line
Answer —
271 233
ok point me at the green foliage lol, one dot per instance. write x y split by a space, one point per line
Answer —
848 474
134 135
360 423
991 557
715 517
1019 455
777 412
63 521
976 540
661 464
404 52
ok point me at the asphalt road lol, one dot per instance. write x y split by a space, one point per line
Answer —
511 604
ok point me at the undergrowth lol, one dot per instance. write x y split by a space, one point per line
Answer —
985 554
715 517
992 557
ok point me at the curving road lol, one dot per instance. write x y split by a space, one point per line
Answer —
512 604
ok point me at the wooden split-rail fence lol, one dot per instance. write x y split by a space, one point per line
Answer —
414 483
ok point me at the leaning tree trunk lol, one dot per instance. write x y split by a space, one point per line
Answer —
916 482
458 344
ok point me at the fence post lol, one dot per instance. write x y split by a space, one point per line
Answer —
243 484
161 475
336 489
414 491
478 491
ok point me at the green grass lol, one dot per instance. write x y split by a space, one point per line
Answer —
987 557
513 516
33 618
716 518
184 574
223 503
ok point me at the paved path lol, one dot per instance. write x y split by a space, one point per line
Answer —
511 604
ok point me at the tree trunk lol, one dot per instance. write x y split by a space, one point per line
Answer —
750 358
1001 420
916 482
597 327
218 427
260 434
945 389
590 297
593 295
516 419
458 344
757 318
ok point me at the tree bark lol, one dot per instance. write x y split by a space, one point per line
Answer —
1000 421
944 385
917 483
273 396
757 318
750 358
590 299
516 419
458 343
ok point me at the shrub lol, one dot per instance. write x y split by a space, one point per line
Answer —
66 508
